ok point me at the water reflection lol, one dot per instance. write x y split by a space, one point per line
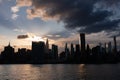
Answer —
82 72
60 72
42 72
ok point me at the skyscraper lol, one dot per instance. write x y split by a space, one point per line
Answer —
55 51
82 38
66 49
8 54
77 46
47 46
105 46
38 52
115 44
72 49
109 47
67 52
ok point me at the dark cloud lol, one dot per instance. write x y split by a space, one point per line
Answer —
111 2
105 25
22 36
61 34
82 14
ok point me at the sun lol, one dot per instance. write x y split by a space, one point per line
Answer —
36 38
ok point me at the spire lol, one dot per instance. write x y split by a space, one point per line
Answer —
47 44
9 43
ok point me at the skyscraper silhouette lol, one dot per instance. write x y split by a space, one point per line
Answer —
38 52
67 52
82 38
47 46
115 44
77 46
8 54
55 51
72 50
109 47
105 46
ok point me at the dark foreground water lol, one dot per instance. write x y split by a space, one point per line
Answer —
60 72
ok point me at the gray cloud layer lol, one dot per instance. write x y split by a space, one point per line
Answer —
82 14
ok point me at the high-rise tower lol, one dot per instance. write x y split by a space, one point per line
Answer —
54 51
72 49
82 38
109 47
38 52
47 46
115 44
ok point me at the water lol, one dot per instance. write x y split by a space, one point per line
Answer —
60 72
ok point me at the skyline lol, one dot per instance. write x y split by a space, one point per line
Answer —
83 45
42 54
19 26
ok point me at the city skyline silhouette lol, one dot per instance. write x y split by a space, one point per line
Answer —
77 53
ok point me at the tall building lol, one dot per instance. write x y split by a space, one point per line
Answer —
105 46
115 44
72 50
8 54
109 47
67 52
66 49
38 52
100 45
88 50
47 46
55 51
82 38
77 49
77 55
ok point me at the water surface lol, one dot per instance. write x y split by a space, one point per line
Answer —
60 72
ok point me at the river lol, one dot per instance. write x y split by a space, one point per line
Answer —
60 72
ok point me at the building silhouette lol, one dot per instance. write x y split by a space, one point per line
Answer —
115 44
77 49
72 50
41 54
77 56
38 52
47 46
54 52
109 47
82 38
88 50
67 52
8 54
105 46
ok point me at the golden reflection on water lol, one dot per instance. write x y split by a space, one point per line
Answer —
82 71
43 72
60 72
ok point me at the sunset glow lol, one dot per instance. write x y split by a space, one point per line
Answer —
36 38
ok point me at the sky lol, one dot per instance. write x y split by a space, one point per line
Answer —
61 21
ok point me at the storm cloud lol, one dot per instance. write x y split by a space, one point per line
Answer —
86 15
